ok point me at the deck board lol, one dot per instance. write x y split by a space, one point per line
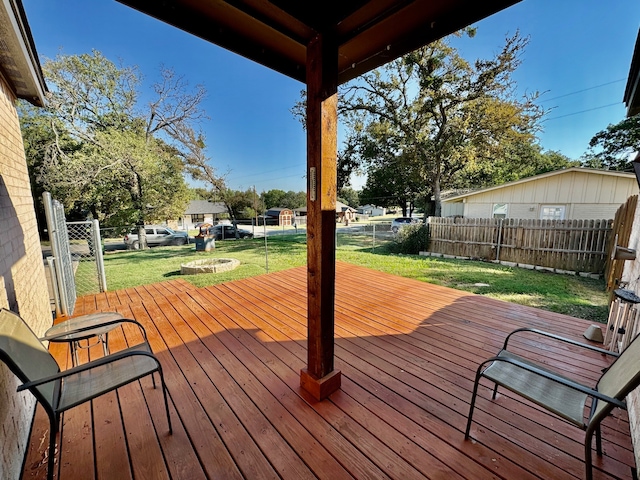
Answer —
408 352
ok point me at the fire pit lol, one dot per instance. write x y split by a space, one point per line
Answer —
209 265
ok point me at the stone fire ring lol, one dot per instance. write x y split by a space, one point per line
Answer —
209 265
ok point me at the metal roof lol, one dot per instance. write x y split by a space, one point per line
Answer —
593 171
276 33
202 207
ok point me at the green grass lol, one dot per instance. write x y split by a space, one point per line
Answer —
572 295
130 269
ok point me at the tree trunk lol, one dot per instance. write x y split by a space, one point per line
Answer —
135 188
436 197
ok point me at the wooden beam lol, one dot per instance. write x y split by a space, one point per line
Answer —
319 378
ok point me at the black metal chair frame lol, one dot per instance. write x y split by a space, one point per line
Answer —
601 404
54 382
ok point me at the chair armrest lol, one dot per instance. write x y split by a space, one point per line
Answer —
93 327
141 349
554 377
561 339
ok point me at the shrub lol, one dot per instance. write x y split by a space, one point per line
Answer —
413 239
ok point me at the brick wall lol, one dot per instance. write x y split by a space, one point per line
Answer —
23 287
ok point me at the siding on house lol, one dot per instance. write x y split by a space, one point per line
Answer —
584 193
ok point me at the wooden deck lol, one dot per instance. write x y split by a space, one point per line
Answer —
407 350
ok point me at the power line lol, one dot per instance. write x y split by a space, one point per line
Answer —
262 173
583 90
581 111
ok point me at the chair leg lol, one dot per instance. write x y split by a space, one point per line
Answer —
495 392
53 431
166 400
588 474
598 441
473 404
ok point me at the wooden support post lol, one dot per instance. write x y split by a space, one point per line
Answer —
319 378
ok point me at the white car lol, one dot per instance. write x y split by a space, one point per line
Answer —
401 222
156 235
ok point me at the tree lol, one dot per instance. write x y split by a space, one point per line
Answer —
392 185
273 198
616 143
434 110
293 200
101 153
349 196
519 160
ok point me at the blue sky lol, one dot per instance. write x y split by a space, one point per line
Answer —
579 55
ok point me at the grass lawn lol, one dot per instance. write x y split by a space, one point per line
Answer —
572 295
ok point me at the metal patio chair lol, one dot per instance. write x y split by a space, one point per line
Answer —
561 395
59 391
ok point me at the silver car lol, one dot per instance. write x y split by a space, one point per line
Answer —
400 222
156 235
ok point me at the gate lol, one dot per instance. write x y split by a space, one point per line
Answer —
76 265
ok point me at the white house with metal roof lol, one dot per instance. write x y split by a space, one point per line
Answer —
572 193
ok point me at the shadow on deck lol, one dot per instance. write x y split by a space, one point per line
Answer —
407 350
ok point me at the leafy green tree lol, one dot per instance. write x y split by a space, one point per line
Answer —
434 109
519 160
349 196
102 154
240 204
294 200
393 185
612 147
273 198
276 198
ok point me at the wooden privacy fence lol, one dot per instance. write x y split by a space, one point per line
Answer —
620 235
569 245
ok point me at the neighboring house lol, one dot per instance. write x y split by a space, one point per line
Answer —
23 285
284 216
371 210
199 211
573 193
345 213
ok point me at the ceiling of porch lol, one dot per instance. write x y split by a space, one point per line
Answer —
276 33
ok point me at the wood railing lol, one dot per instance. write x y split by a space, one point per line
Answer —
568 245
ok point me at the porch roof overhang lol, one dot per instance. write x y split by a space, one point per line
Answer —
19 64
276 33
632 90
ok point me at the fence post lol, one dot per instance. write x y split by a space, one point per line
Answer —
55 250
499 239
266 248
373 249
97 246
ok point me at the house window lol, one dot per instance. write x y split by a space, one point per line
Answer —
552 212
197 218
499 210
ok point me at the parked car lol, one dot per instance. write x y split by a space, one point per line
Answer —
156 235
401 222
226 232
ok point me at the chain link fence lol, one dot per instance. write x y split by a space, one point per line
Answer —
86 252
366 236
76 265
